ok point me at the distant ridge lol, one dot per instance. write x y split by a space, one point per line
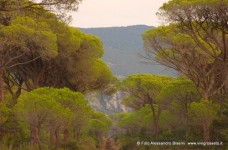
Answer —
140 25
123 46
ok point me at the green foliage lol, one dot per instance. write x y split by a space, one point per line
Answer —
98 126
22 6
137 120
62 103
143 89
171 104
64 96
185 3
102 117
79 58
4 113
177 88
42 111
96 76
46 48
178 95
60 110
29 36
193 43
203 112
38 50
223 122
167 121
170 38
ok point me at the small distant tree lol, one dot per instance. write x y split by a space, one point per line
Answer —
143 90
98 125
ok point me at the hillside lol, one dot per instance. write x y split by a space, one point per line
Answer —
123 49
123 53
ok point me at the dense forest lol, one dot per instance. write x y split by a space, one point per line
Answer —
47 68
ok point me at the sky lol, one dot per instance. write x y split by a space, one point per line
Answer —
109 13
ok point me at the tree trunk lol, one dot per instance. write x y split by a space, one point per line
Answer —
205 93
35 135
66 135
52 137
57 138
1 85
206 133
155 119
36 84
224 42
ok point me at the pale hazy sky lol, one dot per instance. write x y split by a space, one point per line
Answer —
108 13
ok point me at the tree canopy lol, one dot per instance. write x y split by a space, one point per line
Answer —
194 43
38 50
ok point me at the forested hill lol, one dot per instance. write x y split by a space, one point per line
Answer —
123 47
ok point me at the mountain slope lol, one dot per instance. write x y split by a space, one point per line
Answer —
123 49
